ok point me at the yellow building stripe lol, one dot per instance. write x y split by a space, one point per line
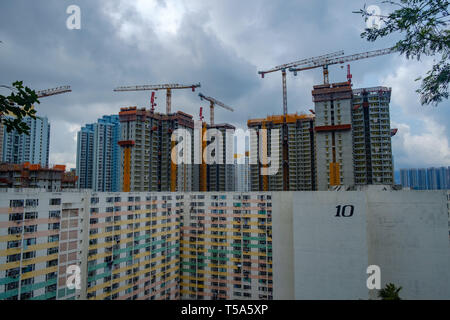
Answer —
39 259
10 237
144 228
130 276
38 273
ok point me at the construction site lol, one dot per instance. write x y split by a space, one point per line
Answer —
147 141
345 140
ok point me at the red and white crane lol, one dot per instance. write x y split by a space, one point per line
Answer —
283 68
167 87
324 63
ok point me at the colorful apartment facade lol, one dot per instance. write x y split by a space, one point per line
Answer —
212 246
135 245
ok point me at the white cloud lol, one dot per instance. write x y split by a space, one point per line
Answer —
421 149
422 140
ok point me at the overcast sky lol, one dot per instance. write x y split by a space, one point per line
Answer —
222 45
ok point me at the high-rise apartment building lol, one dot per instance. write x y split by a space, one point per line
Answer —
146 153
422 179
85 156
221 173
432 179
404 177
225 245
442 178
40 237
32 148
353 135
98 155
1 140
242 163
334 139
299 152
425 179
371 120
242 172
413 179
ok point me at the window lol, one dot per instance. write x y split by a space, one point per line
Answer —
55 202
29 242
29 255
31 215
53 238
30 229
16 203
13 244
14 230
16 217
13 258
54 214
28 268
51 251
32 202
53 226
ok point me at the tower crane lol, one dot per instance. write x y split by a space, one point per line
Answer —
214 102
324 63
53 92
47 92
284 67
167 87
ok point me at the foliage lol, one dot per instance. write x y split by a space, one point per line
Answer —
424 24
390 292
19 104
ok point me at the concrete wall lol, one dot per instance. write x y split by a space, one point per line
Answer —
408 236
405 233
283 246
330 252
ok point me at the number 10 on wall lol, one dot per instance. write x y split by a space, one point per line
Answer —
345 211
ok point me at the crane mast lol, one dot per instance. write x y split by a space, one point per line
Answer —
167 87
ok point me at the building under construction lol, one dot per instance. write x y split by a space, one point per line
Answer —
146 143
296 156
353 135
220 175
346 142
372 134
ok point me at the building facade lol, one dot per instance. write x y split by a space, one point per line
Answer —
98 155
353 135
146 151
235 246
425 178
221 171
298 172
35 176
32 148
85 157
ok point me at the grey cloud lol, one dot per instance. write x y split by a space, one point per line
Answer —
222 45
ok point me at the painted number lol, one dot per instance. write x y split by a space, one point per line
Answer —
345 211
